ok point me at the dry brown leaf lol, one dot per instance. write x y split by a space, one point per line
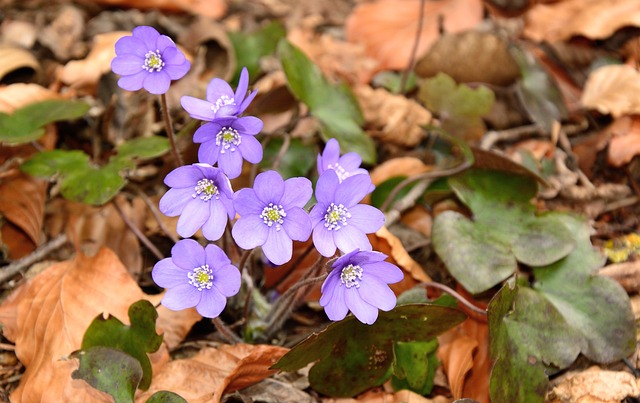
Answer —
17 95
625 273
613 89
419 219
85 73
392 118
64 36
338 60
377 396
284 276
624 143
22 201
205 8
212 372
401 166
388 28
595 19
52 315
13 58
595 385
457 359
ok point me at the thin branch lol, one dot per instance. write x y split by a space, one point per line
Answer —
37 255
136 231
414 50
156 214
457 296
283 149
170 134
225 332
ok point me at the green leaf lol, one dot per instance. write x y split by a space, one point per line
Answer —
335 106
415 365
252 47
50 163
528 338
505 230
298 159
143 148
26 124
596 307
459 107
94 186
352 357
165 396
136 340
110 371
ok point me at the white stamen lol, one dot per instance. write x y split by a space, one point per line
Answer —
206 189
228 138
350 276
336 217
273 214
153 61
201 277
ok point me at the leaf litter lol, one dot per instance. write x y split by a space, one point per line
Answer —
557 309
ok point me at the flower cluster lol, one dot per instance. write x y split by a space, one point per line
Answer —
271 214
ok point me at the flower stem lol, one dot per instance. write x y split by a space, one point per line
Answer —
225 332
169 127
457 296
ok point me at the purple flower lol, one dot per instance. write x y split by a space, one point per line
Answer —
148 59
197 276
358 283
228 141
337 219
271 215
221 101
201 195
345 166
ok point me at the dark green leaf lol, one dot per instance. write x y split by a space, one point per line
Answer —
26 124
94 186
50 163
251 48
164 396
335 106
136 340
352 357
110 371
596 307
298 159
505 229
528 338
382 191
415 365
143 148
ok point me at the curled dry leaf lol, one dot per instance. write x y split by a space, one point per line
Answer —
85 73
595 385
401 166
613 89
624 143
338 60
51 315
388 28
392 118
378 396
14 58
212 372
470 56
595 19
17 95
205 8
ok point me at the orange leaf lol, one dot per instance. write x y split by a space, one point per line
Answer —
206 8
625 140
17 95
613 89
377 396
22 203
388 28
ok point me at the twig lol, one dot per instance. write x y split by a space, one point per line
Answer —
295 264
156 214
515 133
136 231
414 50
170 134
457 296
225 332
10 270
283 149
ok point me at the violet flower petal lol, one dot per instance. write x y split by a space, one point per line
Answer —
250 232
323 241
247 203
377 293
297 192
174 201
192 218
352 190
230 162
197 108
227 280
251 149
166 274
187 254
181 297
350 238
297 224
214 227
211 303
269 187
366 218
278 248
364 312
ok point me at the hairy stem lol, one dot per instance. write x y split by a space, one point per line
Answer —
169 127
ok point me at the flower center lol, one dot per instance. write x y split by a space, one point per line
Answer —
153 61
336 217
206 189
201 277
351 275
342 173
228 138
273 214
224 100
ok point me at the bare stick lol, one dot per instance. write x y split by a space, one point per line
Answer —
170 134
457 296
136 231
414 50
225 332
10 270
156 214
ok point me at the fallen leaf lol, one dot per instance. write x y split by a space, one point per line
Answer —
595 385
212 372
17 95
400 166
595 19
624 140
52 316
419 219
627 274
377 396
14 58
205 8
613 89
392 118
388 28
